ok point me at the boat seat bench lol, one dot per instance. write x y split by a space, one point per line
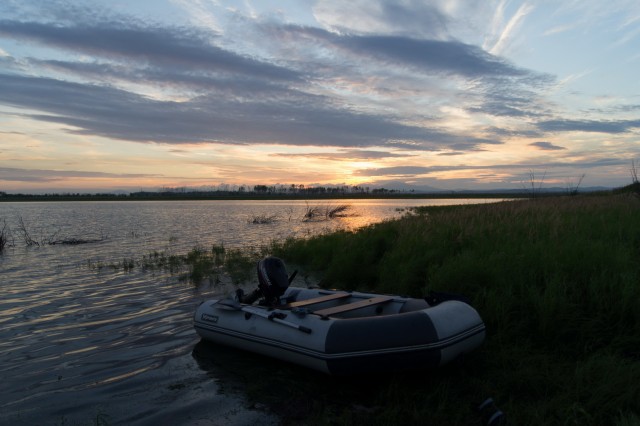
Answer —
353 306
315 300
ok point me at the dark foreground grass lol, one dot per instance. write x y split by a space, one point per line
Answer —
557 281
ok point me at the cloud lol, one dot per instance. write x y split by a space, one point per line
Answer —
515 167
305 120
233 98
398 171
157 46
513 133
227 97
451 153
10 174
510 28
546 146
346 155
423 55
487 84
413 17
449 57
499 106
237 86
598 126
559 29
629 108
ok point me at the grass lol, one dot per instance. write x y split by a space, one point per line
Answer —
557 281
151 262
198 265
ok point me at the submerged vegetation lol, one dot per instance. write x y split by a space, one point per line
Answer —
198 265
7 237
263 219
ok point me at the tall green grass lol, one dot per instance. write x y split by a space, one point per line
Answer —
557 281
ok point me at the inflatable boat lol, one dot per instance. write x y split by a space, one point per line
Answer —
340 332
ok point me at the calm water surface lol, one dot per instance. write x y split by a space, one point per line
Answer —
79 344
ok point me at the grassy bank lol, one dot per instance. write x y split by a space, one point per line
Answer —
557 281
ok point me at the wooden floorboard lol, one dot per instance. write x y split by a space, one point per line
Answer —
352 306
316 300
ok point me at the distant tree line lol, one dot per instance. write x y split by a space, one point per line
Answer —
62 195
269 190
314 190
218 191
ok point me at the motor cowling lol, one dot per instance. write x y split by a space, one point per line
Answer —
272 282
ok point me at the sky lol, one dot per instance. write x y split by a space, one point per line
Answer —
99 96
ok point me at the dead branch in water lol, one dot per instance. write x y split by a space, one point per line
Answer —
263 219
52 239
25 234
5 234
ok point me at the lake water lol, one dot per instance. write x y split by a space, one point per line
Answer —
85 345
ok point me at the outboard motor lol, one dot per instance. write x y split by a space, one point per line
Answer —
272 282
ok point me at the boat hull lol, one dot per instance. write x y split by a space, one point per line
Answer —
371 340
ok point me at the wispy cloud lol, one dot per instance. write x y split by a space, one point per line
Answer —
407 17
511 26
559 29
599 126
421 55
201 13
346 155
9 174
546 146
134 44
123 115
515 168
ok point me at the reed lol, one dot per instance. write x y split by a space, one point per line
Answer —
311 213
337 211
200 263
328 212
556 281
